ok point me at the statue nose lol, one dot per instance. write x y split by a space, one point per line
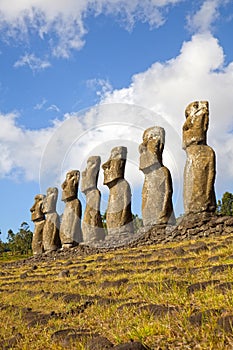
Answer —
106 165
142 148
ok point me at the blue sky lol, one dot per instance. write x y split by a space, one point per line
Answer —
139 63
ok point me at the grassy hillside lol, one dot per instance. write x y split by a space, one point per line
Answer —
174 296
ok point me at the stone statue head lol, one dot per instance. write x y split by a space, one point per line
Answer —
90 174
196 124
114 168
70 185
151 149
50 200
36 210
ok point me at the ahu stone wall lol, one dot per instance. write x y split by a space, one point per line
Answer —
189 227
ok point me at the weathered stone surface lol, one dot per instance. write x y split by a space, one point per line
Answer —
199 178
38 217
117 284
199 172
157 190
226 323
70 336
198 247
61 334
99 343
229 222
70 230
221 268
131 346
119 215
51 238
224 287
214 258
201 317
158 310
201 286
64 273
92 226
192 226
10 343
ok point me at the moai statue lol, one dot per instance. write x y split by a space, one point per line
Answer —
199 172
119 215
70 230
38 217
51 238
157 189
92 226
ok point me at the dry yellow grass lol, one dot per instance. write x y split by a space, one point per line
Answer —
175 296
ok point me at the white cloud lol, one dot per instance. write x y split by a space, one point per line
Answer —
203 19
54 108
40 105
167 87
96 132
34 63
63 20
46 155
163 91
21 149
197 73
100 86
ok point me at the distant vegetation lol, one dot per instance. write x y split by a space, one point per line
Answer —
18 243
225 205
137 222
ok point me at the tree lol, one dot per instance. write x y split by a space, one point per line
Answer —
103 216
137 222
225 205
21 241
2 245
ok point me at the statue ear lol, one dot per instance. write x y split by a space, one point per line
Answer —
122 163
75 181
42 206
161 146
